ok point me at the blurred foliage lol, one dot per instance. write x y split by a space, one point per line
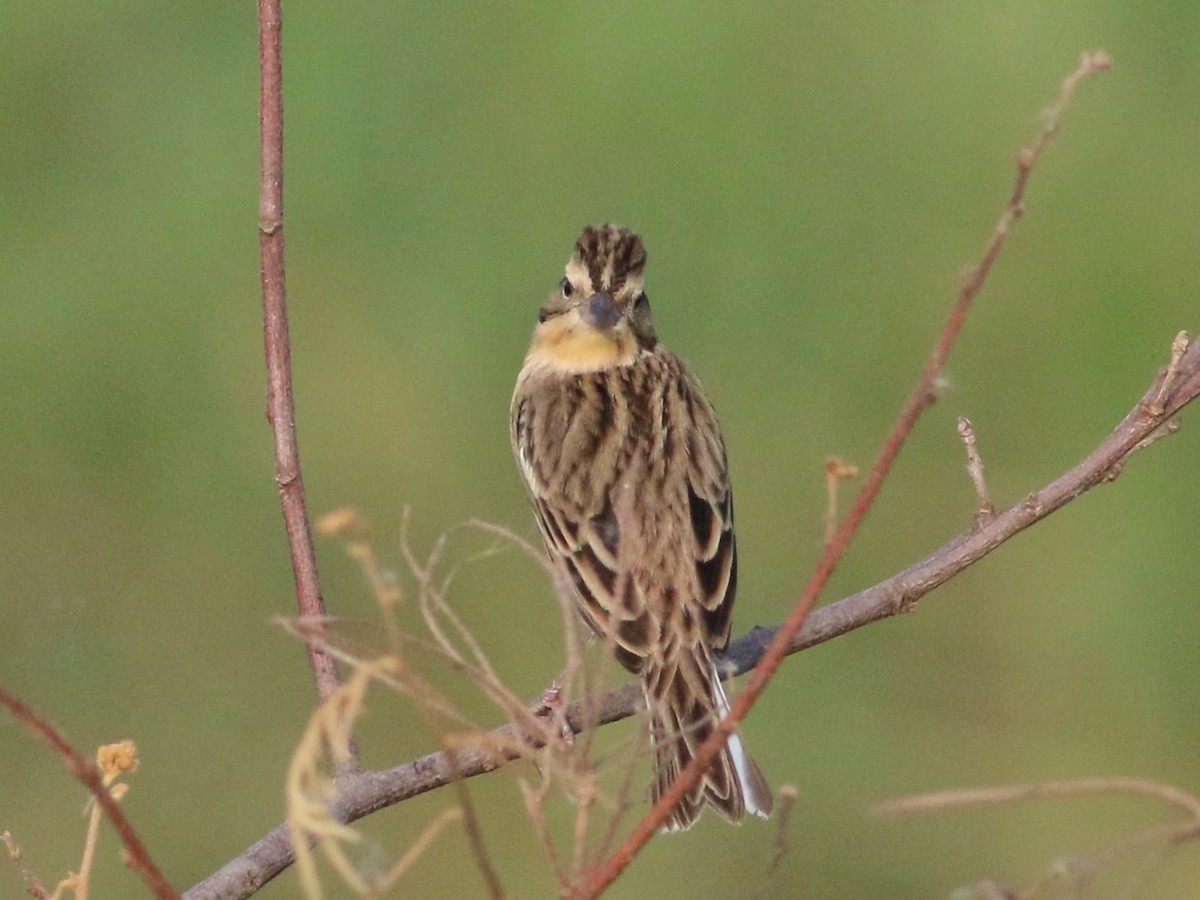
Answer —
810 180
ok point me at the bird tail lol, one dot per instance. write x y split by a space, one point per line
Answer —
685 703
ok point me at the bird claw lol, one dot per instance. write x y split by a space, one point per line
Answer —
551 706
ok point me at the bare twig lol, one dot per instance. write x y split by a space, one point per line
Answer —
473 829
624 803
921 398
940 801
1084 866
85 771
362 793
33 887
534 799
1178 348
281 407
966 431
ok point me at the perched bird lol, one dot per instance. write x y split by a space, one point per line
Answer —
625 466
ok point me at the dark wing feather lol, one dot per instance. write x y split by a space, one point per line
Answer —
710 507
607 597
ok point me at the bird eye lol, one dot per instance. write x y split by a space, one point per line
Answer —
567 288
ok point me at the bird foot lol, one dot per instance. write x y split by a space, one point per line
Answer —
551 706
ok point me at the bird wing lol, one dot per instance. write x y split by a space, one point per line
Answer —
710 510
600 538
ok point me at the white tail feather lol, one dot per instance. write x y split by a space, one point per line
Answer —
741 759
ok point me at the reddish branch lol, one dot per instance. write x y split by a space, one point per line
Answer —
86 772
281 407
607 871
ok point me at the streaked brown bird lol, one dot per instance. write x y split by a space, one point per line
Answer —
625 465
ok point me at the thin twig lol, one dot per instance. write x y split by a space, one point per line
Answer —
939 801
33 886
281 407
86 772
423 842
921 398
534 808
1178 348
473 830
624 803
966 432
362 793
1088 864
783 845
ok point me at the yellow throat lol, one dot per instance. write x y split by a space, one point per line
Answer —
570 345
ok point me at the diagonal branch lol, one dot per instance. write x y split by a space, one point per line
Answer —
362 793
85 771
922 397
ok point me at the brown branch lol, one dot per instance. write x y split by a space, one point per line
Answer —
281 407
362 793
602 875
85 771
966 432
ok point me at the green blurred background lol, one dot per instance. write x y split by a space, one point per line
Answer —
811 179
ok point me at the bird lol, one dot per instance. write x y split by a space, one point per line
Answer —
625 466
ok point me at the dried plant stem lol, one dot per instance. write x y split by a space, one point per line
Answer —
787 805
472 827
837 470
940 801
85 771
423 842
281 407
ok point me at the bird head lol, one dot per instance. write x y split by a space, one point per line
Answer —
599 316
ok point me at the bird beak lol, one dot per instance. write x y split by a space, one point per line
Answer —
601 312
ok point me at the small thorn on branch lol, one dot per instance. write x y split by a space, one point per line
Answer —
966 431
837 470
